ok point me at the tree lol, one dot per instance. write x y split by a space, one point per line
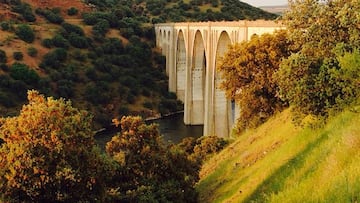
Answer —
248 70
312 79
3 57
49 154
150 171
25 33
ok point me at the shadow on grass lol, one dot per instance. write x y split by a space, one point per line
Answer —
275 182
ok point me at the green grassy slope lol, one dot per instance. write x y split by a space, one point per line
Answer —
279 162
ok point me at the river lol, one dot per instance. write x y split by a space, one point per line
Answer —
171 127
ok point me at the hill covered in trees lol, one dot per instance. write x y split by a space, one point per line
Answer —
99 54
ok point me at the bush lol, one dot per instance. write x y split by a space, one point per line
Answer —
25 33
60 41
72 11
70 28
53 16
25 10
6 100
32 51
101 27
54 58
3 57
78 41
56 157
5 26
48 43
4 67
18 55
22 72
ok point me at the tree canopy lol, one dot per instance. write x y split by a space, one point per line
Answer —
49 154
248 70
315 79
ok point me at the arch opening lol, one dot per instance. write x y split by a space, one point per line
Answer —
198 72
224 109
180 67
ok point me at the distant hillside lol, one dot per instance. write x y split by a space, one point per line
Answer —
275 9
279 162
100 54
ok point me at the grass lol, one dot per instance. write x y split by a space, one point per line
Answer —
279 162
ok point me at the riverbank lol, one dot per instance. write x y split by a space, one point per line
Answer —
171 127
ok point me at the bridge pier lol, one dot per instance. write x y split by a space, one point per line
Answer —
192 53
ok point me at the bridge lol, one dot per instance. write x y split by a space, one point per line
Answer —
192 52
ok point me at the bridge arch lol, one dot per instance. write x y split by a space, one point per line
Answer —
222 106
180 66
197 78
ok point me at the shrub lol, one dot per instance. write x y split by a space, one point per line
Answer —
5 25
22 72
3 57
48 43
56 157
72 11
53 16
32 51
18 55
78 41
70 28
60 41
6 100
101 27
25 33
54 58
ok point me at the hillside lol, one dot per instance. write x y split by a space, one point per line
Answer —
98 54
279 162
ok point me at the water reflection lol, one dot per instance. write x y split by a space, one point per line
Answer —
172 129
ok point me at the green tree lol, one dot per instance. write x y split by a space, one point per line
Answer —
22 72
150 171
312 79
248 71
49 154
25 33
3 57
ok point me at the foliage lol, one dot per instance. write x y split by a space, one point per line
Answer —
52 15
18 55
22 72
248 72
5 25
25 10
3 57
199 150
54 58
49 154
313 79
25 33
32 51
150 171
72 11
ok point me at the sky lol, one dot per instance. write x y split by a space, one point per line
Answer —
258 3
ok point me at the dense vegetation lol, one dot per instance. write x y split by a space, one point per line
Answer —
48 154
313 69
106 62
313 66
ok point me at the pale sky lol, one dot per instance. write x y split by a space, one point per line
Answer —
258 3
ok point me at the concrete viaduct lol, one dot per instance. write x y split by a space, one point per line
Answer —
192 53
